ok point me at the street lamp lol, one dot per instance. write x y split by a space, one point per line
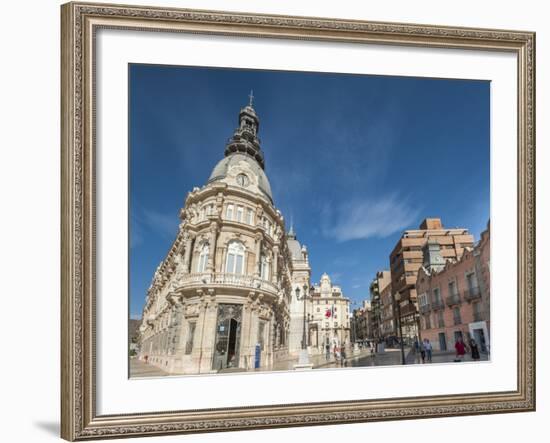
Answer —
304 357
309 320
397 298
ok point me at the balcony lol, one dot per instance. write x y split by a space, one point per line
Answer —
472 294
222 279
437 305
481 316
409 309
425 308
453 300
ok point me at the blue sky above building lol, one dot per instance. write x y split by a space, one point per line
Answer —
353 160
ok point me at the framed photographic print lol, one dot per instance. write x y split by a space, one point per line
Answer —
282 221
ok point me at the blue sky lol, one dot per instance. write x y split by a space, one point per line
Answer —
354 160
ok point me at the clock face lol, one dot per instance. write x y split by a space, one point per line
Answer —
242 180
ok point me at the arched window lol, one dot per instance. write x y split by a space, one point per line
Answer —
264 268
235 258
203 258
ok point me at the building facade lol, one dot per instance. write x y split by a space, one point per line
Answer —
361 329
388 325
301 284
329 316
379 284
224 290
406 260
454 296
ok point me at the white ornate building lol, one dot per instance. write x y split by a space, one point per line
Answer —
226 287
329 321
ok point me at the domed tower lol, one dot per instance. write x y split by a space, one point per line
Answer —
301 282
224 289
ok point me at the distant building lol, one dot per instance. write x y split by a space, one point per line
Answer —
301 278
329 319
454 295
380 282
388 325
407 258
361 328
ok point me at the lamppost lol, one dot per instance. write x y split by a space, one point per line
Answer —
397 299
354 317
309 329
304 357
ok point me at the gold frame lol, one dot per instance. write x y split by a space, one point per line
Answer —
79 22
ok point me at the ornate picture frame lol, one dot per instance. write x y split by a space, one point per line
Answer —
80 22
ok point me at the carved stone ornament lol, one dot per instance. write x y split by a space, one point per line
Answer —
192 310
265 312
79 416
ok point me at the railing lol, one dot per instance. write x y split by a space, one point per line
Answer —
453 300
438 304
226 279
457 321
472 293
481 316
409 309
424 308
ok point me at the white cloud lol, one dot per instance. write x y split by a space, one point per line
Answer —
136 233
370 218
165 225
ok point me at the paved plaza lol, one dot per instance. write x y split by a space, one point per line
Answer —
363 358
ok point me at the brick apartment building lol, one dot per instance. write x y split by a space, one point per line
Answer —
406 260
454 295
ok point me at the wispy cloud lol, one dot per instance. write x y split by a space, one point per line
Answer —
163 224
369 218
145 222
136 232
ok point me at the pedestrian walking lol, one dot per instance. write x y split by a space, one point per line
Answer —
422 352
372 349
460 348
327 349
428 348
474 349
146 358
343 352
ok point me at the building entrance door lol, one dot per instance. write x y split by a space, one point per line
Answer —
442 341
228 337
479 337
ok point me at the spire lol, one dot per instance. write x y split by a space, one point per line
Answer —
245 138
291 234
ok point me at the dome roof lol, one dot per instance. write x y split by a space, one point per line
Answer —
220 171
295 248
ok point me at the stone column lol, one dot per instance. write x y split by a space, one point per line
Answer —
258 253
211 265
197 352
246 355
275 264
188 242
208 333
